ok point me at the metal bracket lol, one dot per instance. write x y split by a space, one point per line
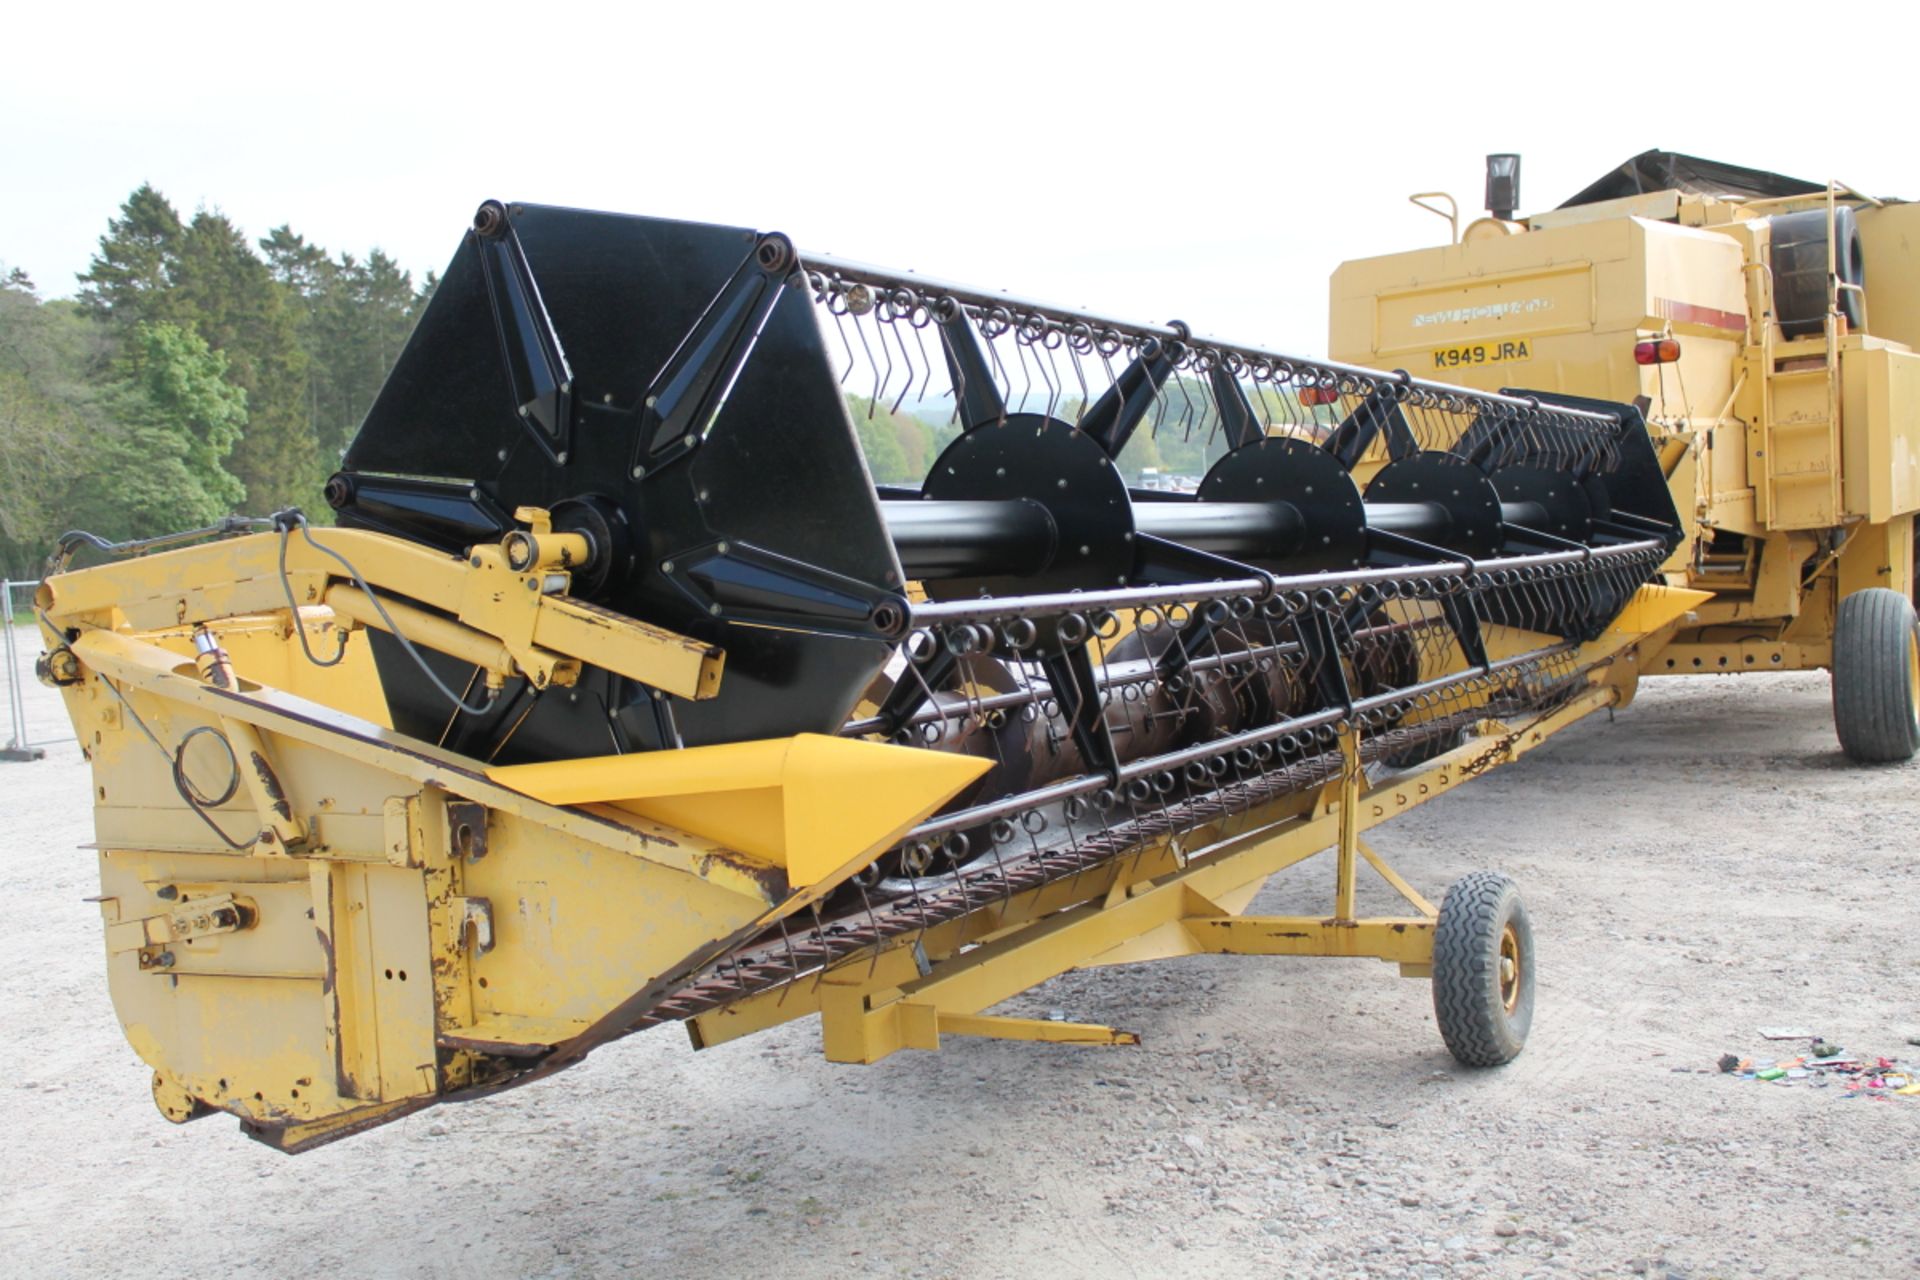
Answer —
152 936
682 399
529 347
466 830
476 923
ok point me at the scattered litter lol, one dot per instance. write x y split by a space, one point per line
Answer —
1859 1075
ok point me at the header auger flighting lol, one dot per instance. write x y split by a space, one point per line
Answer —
647 704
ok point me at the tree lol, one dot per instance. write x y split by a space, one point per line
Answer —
353 318
232 301
47 413
130 280
162 467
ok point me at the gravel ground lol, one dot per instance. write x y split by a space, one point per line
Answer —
1704 865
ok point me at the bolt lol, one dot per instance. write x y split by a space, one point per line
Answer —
168 892
475 562
714 609
666 566
502 455
639 473
561 457
533 584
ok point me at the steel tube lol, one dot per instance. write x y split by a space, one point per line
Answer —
957 539
993 609
1258 530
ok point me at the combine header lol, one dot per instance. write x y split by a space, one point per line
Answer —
620 694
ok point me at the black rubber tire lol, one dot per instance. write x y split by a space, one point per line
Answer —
1480 1026
1876 707
1797 259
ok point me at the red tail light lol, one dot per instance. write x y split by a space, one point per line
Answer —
1316 395
1656 351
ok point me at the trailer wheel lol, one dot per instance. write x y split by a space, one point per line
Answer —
1483 970
1876 677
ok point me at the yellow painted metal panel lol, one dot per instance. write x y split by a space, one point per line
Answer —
1882 417
1546 300
810 804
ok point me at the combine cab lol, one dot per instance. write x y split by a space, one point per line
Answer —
1766 327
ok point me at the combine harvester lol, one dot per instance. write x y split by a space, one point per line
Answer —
622 695
1782 393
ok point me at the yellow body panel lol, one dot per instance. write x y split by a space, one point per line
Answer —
1795 463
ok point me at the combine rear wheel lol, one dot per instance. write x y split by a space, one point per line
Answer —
1483 970
1876 677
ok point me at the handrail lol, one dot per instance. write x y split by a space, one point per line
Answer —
1452 212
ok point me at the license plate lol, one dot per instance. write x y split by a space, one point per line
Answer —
1470 355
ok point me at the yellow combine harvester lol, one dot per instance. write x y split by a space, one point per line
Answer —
621 694
1767 327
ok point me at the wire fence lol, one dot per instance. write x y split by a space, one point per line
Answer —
19 745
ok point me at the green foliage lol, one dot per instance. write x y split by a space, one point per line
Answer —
131 278
111 416
48 411
175 420
354 317
899 448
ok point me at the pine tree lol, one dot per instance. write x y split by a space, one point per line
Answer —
233 302
130 279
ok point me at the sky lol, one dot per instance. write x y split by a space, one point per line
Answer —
1210 163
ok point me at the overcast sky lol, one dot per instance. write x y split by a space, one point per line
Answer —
1208 163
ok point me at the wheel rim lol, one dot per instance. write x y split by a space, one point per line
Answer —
1511 962
1913 675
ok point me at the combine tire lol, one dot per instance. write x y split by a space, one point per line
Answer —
1876 677
1483 970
